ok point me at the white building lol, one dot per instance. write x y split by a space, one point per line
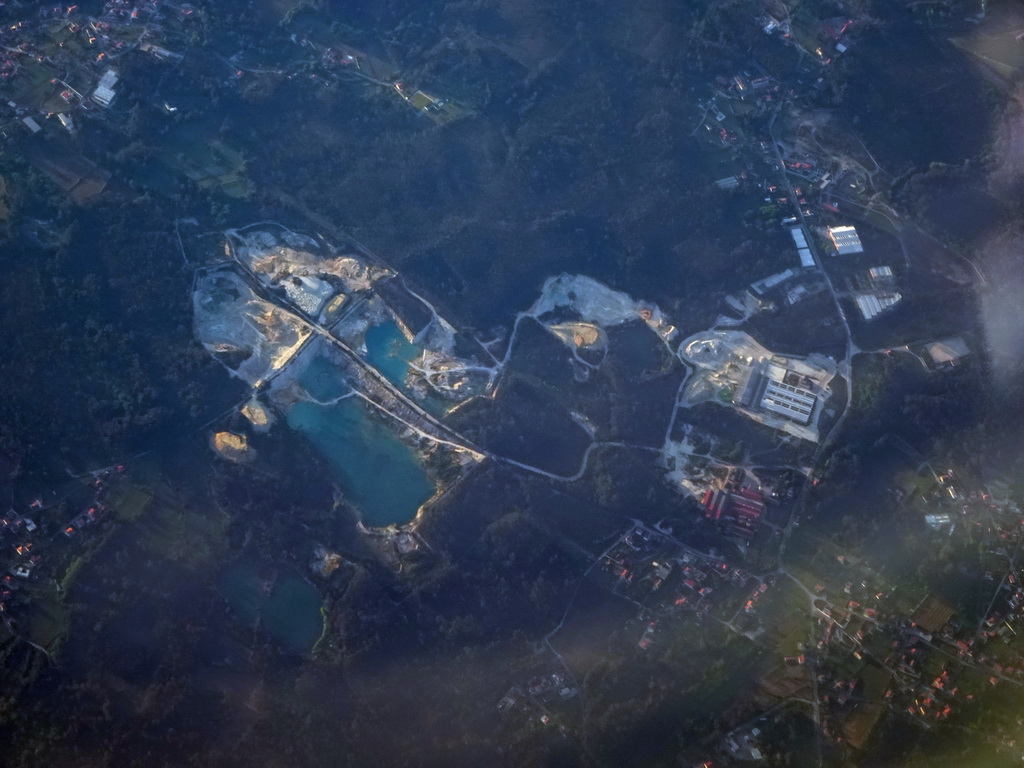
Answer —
846 240
765 284
883 293
794 402
802 249
872 304
104 92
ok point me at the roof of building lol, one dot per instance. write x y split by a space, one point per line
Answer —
771 281
873 304
82 179
740 509
103 96
795 403
796 293
846 240
109 79
947 350
932 614
104 92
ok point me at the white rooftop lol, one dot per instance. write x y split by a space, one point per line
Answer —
771 281
104 92
846 240
873 304
109 79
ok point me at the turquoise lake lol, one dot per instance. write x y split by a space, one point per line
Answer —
379 473
390 352
289 611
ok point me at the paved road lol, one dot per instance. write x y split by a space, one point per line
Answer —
845 368
851 348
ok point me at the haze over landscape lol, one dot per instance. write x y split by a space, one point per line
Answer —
504 382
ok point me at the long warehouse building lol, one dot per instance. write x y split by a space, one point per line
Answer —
802 249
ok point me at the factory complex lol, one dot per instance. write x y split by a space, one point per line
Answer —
734 370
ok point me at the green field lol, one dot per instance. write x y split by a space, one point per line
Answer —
209 162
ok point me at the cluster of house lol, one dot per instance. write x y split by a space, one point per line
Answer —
692 591
1005 618
20 529
759 91
848 711
749 94
830 37
26 538
515 701
931 625
542 691
910 675
131 10
98 37
86 518
922 696
751 605
648 562
620 560
703 586
933 700
693 588
953 501
549 686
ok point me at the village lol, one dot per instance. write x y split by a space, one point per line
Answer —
61 73
38 543
838 638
